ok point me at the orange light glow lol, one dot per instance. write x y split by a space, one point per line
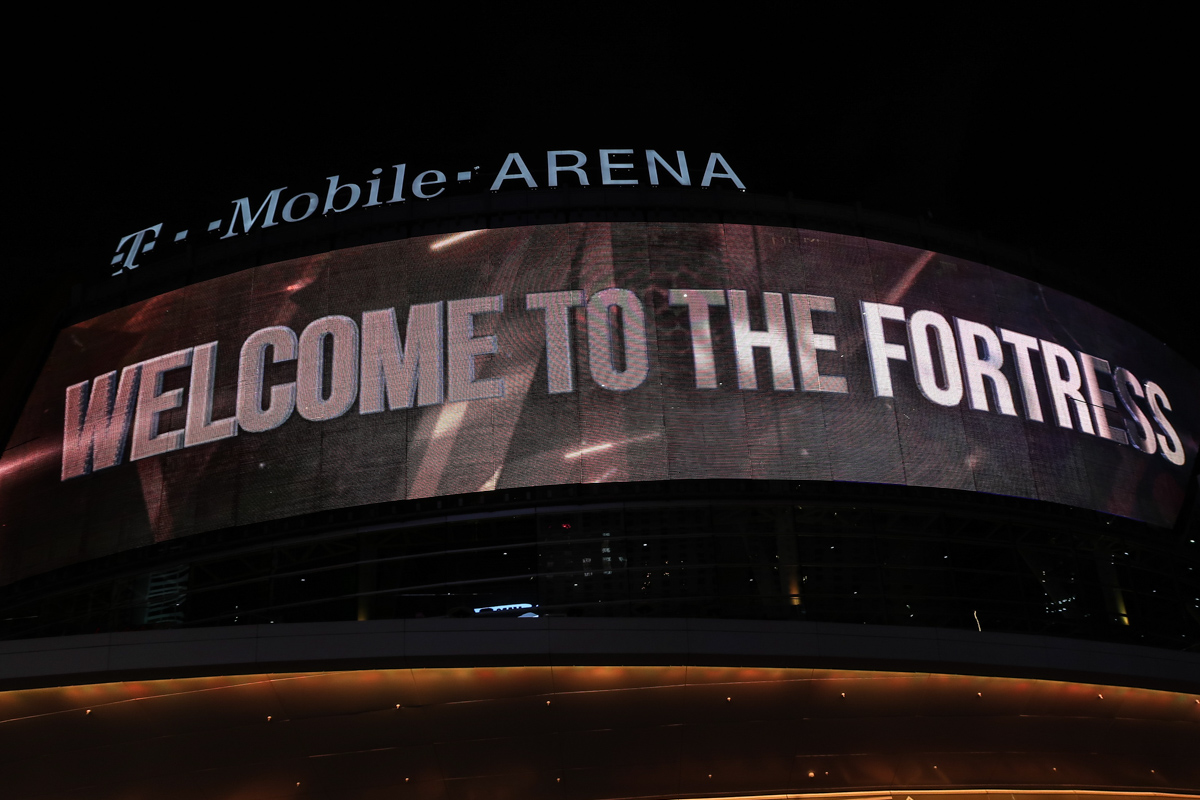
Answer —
331 720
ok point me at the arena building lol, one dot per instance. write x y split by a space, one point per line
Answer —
595 476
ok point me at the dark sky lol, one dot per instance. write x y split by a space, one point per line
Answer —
1063 135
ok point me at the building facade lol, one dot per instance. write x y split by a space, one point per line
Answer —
625 495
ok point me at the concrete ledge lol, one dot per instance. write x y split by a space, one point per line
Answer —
581 641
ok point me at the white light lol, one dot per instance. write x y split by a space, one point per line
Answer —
453 238
505 607
608 445
593 449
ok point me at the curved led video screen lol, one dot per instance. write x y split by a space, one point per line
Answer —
581 353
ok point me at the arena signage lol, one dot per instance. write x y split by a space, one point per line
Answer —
435 361
585 353
614 167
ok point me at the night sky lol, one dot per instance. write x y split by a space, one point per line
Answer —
1066 136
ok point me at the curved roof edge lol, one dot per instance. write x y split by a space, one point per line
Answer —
415 643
